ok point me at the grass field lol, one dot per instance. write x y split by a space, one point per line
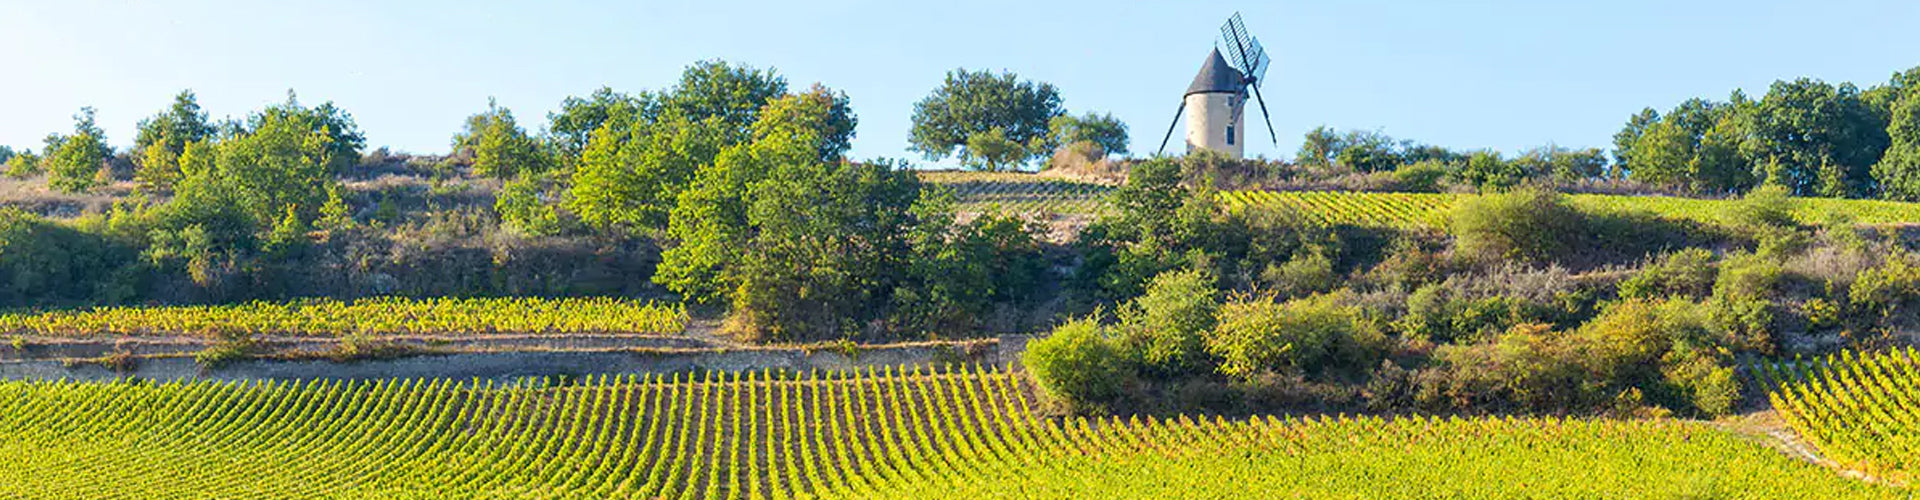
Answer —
379 316
957 434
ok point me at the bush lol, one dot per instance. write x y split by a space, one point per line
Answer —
1764 206
1687 273
1307 273
1883 290
1526 224
45 263
1472 307
1315 336
1421 177
1163 330
1663 352
1076 365
1741 305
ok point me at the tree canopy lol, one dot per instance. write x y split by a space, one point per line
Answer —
73 161
975 103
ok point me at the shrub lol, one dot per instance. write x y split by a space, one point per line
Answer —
1076 365
1470 307
1883 290
1421 177
1315 336
46 263
1687 273
1526 224
1741 305
1764 206
1663 352
1307 273
1162 330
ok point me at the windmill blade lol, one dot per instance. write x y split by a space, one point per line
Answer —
1239 45
1233 35
1170 127
1257 56
1264 117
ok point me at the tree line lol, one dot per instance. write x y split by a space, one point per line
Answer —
1810 137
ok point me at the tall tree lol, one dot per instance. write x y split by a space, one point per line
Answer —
572 127
1898 171
1628 136
74 160
163 136
1824 137
971 103
498 147
732 93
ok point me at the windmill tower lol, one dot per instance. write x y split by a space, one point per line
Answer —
1216 102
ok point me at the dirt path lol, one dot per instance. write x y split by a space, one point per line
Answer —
1766 427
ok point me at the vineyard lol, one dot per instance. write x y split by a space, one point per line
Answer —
383 316
1405 210
1029 194
1018 193
964 433
1862 410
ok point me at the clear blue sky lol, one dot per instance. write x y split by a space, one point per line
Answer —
1472 74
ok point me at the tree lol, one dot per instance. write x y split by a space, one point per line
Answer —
1368 151
72 160
573 126
1898 171
6 154
1564 164
1628 136
992 151
709 222
1809 125
23 164
716 89
163 136
1487 170
1102 130
969 103
635 180
285 155
1661 154
498 146
1319 147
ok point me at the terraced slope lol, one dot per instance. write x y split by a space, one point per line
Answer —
961 434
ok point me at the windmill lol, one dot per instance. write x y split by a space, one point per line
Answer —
1217 99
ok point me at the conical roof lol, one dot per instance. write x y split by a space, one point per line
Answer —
1217 76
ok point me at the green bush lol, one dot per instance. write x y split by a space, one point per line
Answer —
1315 336
1665 352
1526 224
1884 289
45 263
1162 330
1742 301
1077 365
1687 273
1307 273
1422 176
